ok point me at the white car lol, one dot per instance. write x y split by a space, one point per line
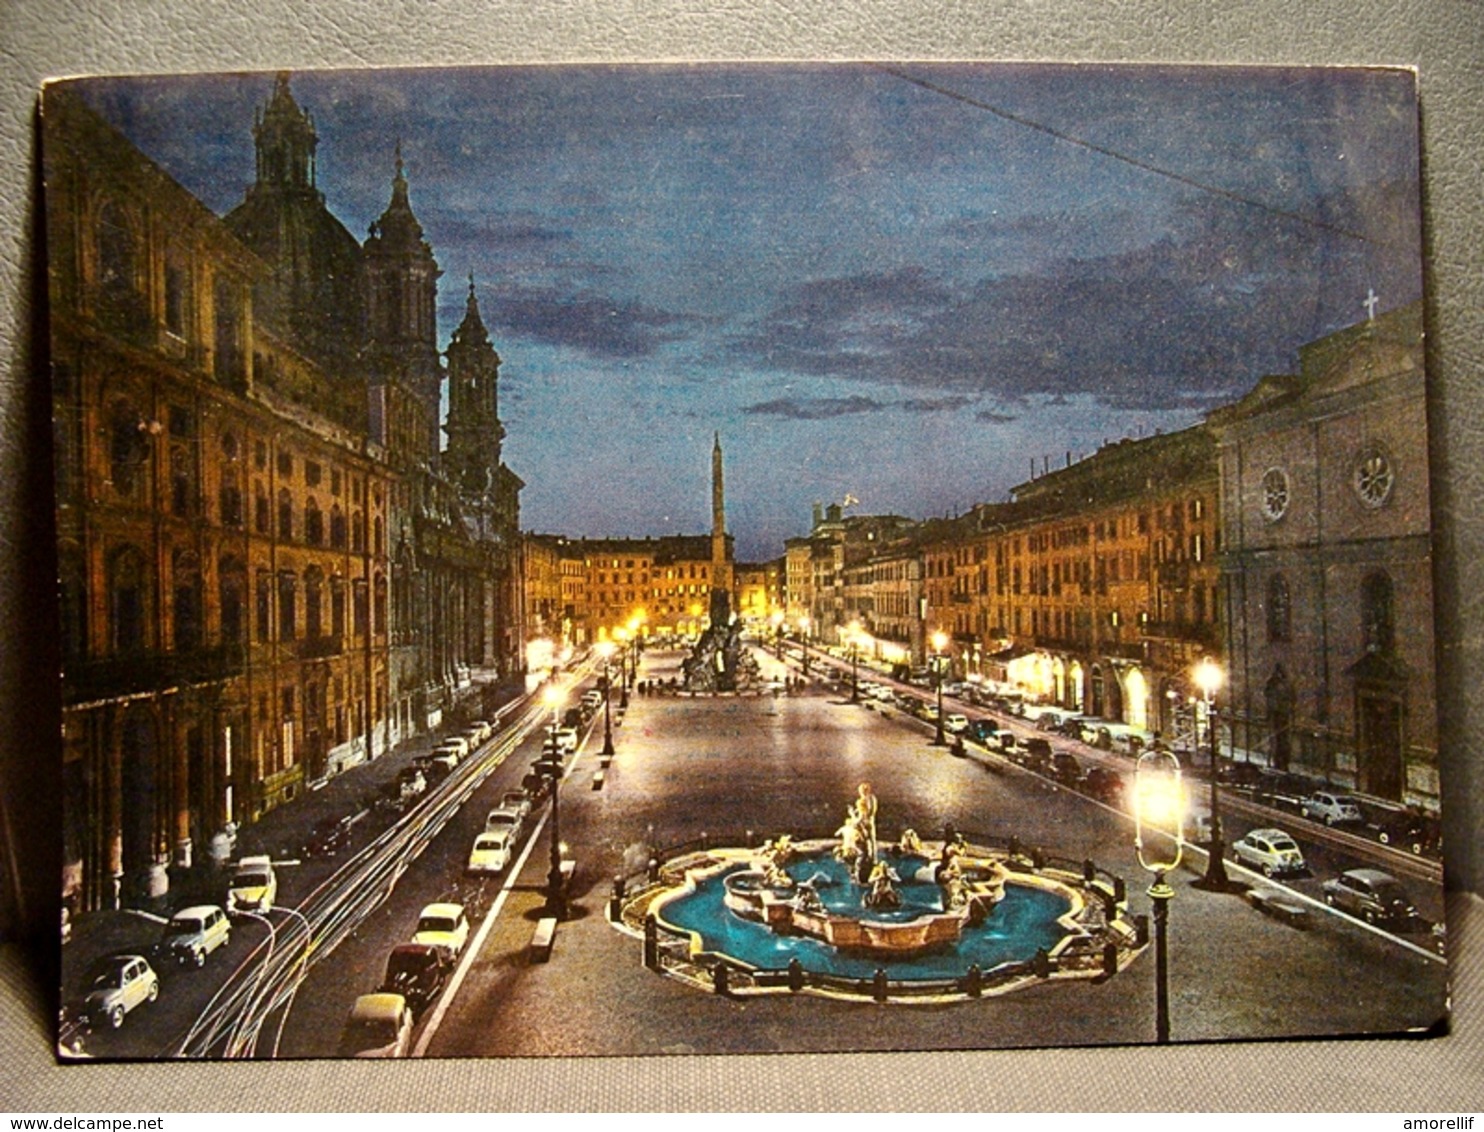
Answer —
443 926
117 985
1270 851
517 800
194 933
1331 809
956 723
380 1025
566 738
254 886
456 744
491 852
508 819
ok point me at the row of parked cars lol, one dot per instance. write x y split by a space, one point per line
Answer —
380 1023
120 983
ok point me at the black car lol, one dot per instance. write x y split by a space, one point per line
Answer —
1419 833
1105 785
1035 754
328 837
1242 775
416 971
1064 768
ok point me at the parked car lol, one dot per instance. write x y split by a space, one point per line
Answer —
517 800
455 743
116 985
593 698
506 818
491 852
443 926
194 933
955 724
380 1025
327 837
1001 740
1064 767
1331 809
436 765
1035 754
254 886
483 727
416 971
1104 784
1421 833
410 783
1374 896
565 737
1244 775
1270 851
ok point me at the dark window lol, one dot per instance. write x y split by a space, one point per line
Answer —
286 610
285 515
312 589
128 446
337 527
187 602
177 296
311 473
1280 609
230 361
231 504
361 610
1378 624
232 591
262 521
337 610
314 524
128 595
285 464
265 608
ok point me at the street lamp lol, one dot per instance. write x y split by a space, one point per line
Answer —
1158 805
804 641
777 620
852 642
605 651
1208 676
635 623
554 894
621 635
940 642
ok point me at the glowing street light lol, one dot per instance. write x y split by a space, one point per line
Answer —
605 652
1159 806
940 642
777 620
1208 678
804 641
552 698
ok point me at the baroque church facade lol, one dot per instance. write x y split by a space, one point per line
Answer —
268 569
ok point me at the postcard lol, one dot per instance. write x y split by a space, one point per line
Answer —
620 560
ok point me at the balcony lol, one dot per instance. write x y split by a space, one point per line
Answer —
1205 633
116 676
318 648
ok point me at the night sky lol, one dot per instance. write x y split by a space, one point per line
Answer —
904 283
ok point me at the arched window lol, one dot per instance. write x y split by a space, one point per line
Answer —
337 608
337 527
128 446
230 493
380 604
358 532
128 600
379 545
262 517
1377 613
231 585
314 523
185 572
120 278
285 515
265 606
286 607
314 580
1279 609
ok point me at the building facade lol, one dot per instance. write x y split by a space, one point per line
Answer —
1328 565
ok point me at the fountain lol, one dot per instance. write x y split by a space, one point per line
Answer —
847 915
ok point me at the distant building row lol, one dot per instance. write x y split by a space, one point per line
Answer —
1288 537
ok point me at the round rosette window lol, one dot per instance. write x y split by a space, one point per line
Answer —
1374 476
1275 494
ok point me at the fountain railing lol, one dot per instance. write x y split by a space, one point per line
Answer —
672 949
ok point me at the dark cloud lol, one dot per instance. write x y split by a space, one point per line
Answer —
989 416
599 325
935 404
1191 317
814 408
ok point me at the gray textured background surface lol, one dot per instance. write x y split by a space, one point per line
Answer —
1443 39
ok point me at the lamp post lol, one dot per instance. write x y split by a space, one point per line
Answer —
605 650
1158 805
777 620
621 635
852 641
940 642
554 895
636 622
1208 677
804 641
